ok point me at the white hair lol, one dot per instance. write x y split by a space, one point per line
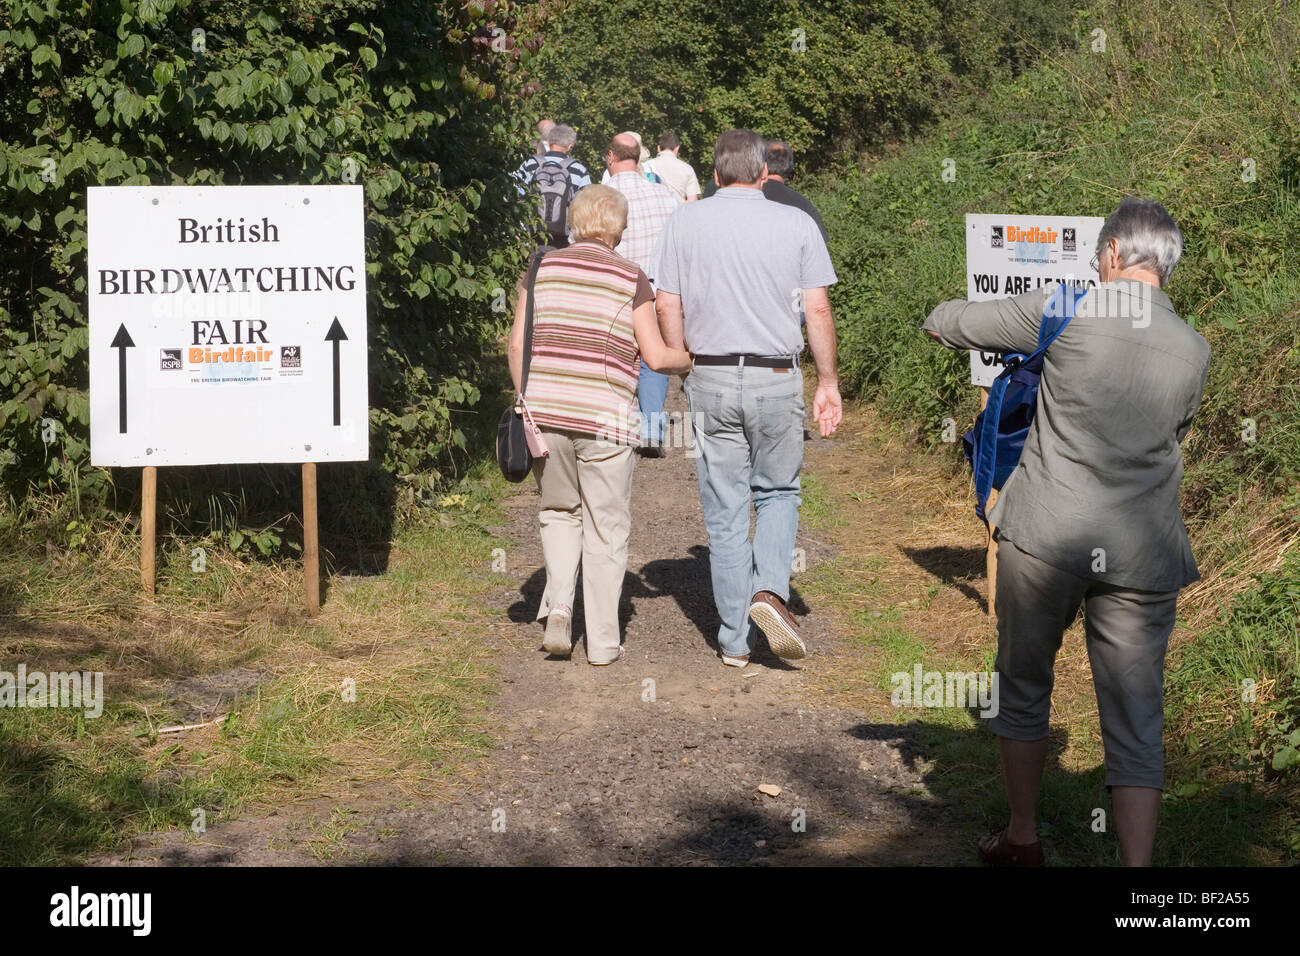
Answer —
562 135
1147 236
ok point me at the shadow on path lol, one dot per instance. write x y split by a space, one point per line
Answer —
955 567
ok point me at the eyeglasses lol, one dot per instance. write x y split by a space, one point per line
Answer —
1096 258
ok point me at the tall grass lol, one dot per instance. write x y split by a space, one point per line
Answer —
388 683
1194 105
1171 110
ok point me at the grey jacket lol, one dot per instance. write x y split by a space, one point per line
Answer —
1096 490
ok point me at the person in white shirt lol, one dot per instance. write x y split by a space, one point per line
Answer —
675 172
649 206
544 127
644 164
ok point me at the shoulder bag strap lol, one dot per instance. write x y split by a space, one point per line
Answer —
1063 303
528 318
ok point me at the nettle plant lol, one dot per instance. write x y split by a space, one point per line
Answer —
419 102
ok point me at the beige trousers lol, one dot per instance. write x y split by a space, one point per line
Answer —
586 516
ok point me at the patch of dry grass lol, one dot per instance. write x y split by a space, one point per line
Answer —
386 685
908 584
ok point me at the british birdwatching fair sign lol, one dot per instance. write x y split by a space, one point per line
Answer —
227 324
1008 255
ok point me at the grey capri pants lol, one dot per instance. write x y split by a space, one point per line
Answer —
1127 635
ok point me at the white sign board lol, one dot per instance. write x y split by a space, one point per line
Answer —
227 324
1008 255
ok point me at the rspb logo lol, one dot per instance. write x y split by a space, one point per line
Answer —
1068 243
290 356
996 243
170 360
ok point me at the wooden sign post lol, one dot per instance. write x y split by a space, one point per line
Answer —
310 541
230 321
310 535
990 546
148 526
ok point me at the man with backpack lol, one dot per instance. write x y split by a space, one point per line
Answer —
1090 516
555 178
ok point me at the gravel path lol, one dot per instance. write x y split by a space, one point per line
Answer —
656 759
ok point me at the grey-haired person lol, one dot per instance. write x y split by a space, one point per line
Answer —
731 274
558 142
1090 517
593 318
780 166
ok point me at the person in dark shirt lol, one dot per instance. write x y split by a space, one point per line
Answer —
780 164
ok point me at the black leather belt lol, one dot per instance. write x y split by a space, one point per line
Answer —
758 361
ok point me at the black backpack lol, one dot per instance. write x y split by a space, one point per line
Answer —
556 189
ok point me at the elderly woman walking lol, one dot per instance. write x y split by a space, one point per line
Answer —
593 321
1090 518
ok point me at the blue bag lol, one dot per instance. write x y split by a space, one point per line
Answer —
994 445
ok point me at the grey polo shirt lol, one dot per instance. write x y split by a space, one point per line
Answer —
739 262
1096 490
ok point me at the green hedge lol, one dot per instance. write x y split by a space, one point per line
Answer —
1170 111
829 77
421 102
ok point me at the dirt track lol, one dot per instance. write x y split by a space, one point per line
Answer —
655 759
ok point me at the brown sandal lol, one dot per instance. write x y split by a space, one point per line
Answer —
996 850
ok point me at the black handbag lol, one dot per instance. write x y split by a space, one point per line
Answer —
513 454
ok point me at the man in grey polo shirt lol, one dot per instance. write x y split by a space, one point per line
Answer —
1090 517
734 272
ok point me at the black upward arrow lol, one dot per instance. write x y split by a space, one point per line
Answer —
336 335
121 342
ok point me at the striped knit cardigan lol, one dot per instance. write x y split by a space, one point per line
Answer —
585 360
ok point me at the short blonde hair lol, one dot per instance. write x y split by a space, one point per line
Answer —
598 212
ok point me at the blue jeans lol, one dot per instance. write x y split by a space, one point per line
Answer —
748 426
651 393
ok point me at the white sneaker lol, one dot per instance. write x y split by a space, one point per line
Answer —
622 653
735 661
556 640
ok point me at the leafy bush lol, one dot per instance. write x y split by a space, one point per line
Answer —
419 102
827 77
1169 111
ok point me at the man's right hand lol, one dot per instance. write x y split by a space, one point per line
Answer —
821 342
827 409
